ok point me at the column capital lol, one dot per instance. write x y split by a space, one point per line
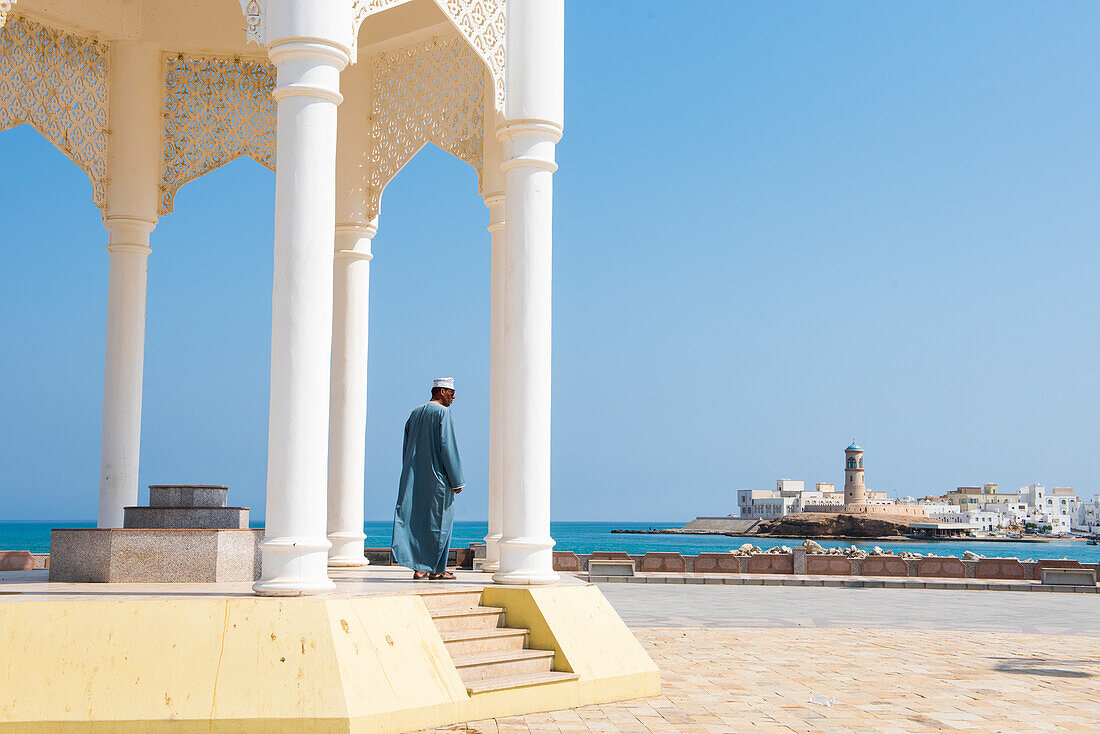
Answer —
546 129
128 234
353 240
529 144
495 201
274 22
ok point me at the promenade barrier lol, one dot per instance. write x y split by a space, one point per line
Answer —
16 561
814 564
1000 568
717 563
567 561
771 563
944 568
821 564
663 563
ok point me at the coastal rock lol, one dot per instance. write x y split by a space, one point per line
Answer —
746 549
812 546
876 551
834 524
971 556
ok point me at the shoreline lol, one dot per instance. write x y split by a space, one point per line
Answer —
890 538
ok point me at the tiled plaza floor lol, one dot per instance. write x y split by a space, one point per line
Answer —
762 679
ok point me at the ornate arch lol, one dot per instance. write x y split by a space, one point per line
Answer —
57 82
481 22
215 111
432 92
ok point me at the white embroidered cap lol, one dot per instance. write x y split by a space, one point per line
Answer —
446 382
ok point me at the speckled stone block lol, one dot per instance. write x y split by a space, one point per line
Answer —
154 555
210 518
188 495
799 560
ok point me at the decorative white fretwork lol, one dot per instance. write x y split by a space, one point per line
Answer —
253 21
360 9
215 110
432 92
57 82
483 24
5 8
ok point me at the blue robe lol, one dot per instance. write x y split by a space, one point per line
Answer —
430 472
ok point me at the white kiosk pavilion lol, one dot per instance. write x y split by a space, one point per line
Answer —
336 96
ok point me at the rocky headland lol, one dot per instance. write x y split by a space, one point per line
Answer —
834 525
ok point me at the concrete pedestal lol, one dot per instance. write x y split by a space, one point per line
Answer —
154 556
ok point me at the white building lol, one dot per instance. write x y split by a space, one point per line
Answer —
747 499
1056 509
1087 519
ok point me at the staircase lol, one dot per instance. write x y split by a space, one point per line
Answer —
488 655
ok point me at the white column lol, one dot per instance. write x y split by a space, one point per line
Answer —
134 161
120 437
495 202
295 549
535 78
494 199
351 289
348 399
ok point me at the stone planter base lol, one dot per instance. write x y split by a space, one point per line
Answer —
154 555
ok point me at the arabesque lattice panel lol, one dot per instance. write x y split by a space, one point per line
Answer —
432 92
483 24
57 82
215 111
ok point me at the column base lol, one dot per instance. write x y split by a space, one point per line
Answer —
294 566
492 553
526 578
526 561
346 550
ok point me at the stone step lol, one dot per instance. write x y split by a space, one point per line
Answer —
452 599
502 663
477 618
468 642
186 518
517 681
187 495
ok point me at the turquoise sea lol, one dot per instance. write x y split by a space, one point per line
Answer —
586 537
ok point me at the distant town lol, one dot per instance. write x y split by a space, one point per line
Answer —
963 511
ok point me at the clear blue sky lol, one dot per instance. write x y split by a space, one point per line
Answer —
779 226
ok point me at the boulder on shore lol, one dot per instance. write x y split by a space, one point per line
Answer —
834 524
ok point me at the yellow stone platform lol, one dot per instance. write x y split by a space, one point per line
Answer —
214 658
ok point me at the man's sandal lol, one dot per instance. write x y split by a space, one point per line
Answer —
447 576
420 575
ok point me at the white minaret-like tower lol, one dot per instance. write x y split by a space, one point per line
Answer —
855 491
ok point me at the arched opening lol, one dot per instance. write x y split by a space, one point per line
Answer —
429 317
207 336
52 318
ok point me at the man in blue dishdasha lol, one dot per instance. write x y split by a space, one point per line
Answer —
431 476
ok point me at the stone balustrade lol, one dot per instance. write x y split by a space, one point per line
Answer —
821 564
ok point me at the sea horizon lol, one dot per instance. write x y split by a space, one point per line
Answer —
587 536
